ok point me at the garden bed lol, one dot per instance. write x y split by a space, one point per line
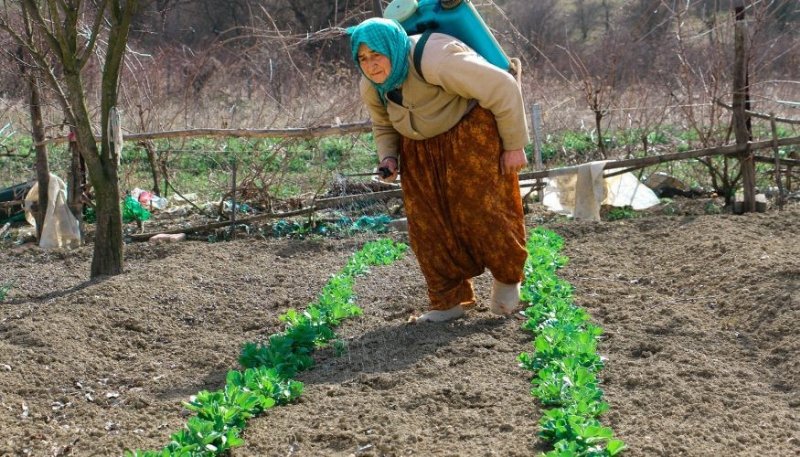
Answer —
701 316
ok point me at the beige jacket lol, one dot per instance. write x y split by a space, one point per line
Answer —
454 75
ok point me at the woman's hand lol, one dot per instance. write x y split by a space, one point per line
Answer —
390 163
512 161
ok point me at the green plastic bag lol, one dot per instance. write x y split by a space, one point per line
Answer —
133 211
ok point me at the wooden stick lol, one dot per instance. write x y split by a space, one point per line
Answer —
169 185
315 205
233 200
621 172
773 160
216 225
335 201
305 133
11 203
760 115
654 160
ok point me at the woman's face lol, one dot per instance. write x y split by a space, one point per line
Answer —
375 65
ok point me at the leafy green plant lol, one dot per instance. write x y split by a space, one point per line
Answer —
564 360
334 150
668 206
712 208
5 288
269 383
203 437
580 143
620 213
266 381
343 226
559 340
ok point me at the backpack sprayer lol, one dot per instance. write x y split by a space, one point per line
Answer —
457 18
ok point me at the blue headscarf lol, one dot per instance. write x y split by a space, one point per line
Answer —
387 37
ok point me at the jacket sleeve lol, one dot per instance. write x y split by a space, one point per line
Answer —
387 140
458 69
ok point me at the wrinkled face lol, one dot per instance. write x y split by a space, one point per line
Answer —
375 65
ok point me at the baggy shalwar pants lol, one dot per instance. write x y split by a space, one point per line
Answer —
463 215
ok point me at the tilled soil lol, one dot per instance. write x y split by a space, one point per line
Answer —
701 313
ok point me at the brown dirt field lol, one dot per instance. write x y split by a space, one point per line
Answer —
702 320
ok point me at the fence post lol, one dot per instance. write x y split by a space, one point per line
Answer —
536 120
741 102
777 154
233 199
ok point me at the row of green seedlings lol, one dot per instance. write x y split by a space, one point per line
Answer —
565 362
270 367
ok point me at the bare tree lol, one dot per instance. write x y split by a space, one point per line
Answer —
71 31
37 129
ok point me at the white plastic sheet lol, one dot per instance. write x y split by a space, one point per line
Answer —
580 194
61 228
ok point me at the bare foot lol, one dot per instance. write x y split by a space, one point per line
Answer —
438 316
505 298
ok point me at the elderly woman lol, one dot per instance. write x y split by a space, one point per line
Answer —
458 130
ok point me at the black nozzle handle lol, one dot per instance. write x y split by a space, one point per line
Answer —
385 172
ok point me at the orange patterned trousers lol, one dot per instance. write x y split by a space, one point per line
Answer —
463 215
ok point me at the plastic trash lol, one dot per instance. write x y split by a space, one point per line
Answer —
149 199
580 194
227 206
158 202
144 197
132 211
135 193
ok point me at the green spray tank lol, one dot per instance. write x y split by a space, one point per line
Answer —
457 18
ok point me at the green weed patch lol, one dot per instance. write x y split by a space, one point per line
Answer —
565 360
269 367
344 226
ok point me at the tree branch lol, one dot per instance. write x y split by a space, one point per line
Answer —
52 8
86 54
30 6
40 61
305 133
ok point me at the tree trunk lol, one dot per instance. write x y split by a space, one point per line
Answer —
77 179
377 8
153 160
598 122
108 253
42 166
107 258
37 129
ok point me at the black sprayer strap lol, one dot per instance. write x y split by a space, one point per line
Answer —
420 46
